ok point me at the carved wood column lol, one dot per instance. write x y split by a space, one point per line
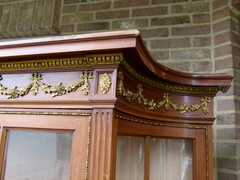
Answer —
102 144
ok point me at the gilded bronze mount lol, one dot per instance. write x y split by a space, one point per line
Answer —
151 104
58 90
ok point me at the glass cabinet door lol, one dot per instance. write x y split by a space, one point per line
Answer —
171 159
152 158
130 158
37 155
44 147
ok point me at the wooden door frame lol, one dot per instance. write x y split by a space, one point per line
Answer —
198 133
78 123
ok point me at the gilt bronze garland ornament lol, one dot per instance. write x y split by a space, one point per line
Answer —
58 90
151 104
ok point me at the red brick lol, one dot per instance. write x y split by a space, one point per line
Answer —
93 26
222 50
234 26
67 28
191 54
226 134
201 18
235 38
80 17
236 75
237 117
130 23
167 1
230 91
224 149
76 1
1 12
237 102
234 13
192 30
227 175
223 25
235 2
30 18
237 94
5 20
94 6
236 51
21 17
224 63
69 1
219 3
226 119
38 16
225 104
202 66
160 55
150 11
201 41
228 163
130 3
8 1
48 12
30 15
236 62
180 66
159 32
170 21
69 9
222 38
191 7
112 14
57 15
221 13
13 20
237 91
170 43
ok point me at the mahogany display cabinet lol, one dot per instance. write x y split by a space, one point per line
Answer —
98 107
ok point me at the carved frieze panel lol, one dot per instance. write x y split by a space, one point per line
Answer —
166 103
36 82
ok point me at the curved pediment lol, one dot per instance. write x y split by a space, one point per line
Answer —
128 42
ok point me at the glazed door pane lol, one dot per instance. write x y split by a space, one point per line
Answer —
32 155
130 158
171 159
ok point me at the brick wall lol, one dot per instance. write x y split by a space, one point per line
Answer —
29 18
187 35
225 20
177 32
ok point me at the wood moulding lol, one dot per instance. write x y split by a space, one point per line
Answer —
60 63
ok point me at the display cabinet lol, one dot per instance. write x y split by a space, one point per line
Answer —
98 107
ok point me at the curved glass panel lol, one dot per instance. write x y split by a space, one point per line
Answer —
130 158
171 159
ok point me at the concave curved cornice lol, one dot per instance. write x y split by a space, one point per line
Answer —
128 41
